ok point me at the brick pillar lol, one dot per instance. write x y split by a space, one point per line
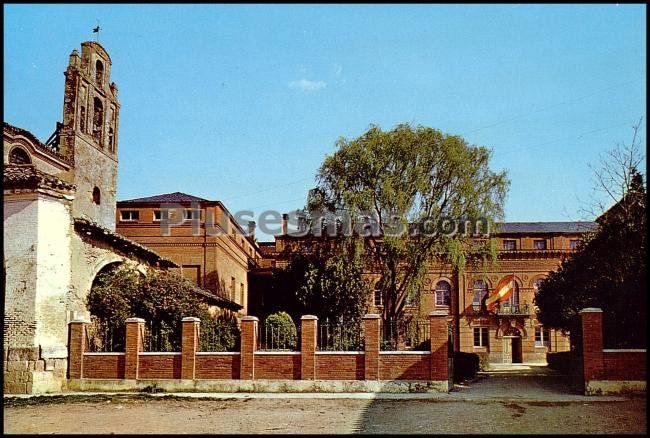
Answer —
189 345
438 323
248 347
308 330
134 345
592 343
371 325
76 348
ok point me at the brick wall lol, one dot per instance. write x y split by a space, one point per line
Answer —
307 364
608 370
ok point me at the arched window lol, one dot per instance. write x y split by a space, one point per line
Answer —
98 119
99 72
480 294
82 119
97 196
19 156
443 293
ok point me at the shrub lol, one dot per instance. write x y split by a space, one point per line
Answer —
220 334
280 332
465 365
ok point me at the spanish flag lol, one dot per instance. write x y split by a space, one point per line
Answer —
502 292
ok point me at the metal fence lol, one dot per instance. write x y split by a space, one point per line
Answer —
159 337
220 336
102 337
278 337
340 336
405 334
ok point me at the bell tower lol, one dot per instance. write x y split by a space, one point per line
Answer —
88 136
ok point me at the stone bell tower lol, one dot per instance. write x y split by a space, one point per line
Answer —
88 135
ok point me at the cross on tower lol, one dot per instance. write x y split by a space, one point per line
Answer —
96 30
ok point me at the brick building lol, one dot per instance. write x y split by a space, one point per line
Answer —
510 332
201 236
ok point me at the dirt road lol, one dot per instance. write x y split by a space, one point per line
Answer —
141 414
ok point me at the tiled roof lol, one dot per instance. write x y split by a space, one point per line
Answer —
119 242
175 197
222 302
14 130
544 227
27 176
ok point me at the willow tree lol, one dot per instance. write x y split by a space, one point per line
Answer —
411 193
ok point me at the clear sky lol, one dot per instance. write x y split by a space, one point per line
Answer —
241 103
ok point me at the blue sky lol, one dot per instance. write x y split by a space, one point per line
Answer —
241 103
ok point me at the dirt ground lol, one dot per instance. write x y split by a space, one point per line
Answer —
141 414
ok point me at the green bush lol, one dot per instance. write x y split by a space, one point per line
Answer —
279 332
220 334
465 365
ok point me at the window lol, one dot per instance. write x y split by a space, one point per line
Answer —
99 72
97 196
443 292
513 301
19 156
232 288
481 337
410 300
129 215
378 299
480 294
540 244
575 244
111 140
509 245
192 214
241 290
542 337
159 215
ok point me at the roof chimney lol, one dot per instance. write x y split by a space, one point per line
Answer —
251 229
285 224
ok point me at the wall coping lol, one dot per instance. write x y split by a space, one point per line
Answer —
104 353
624 350
371 316
190 319
341 352
285 353
439 313
309 317
159 353
134 320
591 310
421 353
217 353
250 318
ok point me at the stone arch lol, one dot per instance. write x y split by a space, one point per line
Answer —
19 155
99 72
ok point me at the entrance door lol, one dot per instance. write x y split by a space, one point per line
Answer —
507 349
516 350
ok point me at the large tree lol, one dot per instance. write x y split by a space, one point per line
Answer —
609 271
395 188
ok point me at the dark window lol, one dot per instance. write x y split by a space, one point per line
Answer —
82 119
111 140
509 245
575 244
19 156
540 244
129 215
99 72
481 337
194 214
443 292
160 215
97 196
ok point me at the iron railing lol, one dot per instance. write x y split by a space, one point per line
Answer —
405 334
278 337
340 336
102 337
161 338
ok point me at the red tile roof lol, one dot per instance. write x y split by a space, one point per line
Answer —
176 197
27 176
